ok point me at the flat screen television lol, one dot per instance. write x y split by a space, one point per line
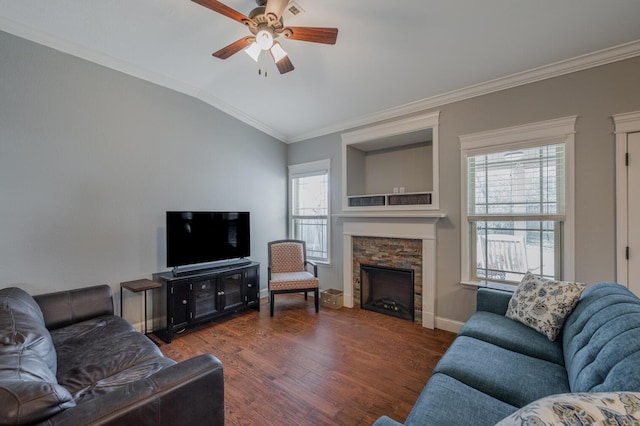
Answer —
201 237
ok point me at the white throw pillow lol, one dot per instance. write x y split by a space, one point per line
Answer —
544 304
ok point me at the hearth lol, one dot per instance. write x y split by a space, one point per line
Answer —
387 290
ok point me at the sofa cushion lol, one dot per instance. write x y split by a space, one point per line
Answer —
447 401
544 304
512 335
22 325
620 408
494 370
601 340
101 354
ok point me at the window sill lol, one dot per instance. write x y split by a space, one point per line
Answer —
474 285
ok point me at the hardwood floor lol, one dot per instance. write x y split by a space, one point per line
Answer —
338 367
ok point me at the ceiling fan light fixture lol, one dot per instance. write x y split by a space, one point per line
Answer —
266 23
264 39
277 52
254 51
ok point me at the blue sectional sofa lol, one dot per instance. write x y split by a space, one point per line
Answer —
497 365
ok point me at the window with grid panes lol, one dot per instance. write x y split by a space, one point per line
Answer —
516 212
309 207
517 202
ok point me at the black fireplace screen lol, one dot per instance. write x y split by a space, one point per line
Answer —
387 290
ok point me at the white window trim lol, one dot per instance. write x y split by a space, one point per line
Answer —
560 130
624 124
298 170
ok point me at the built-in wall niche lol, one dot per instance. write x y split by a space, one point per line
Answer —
392 166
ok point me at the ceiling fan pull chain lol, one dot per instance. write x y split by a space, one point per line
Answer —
262 63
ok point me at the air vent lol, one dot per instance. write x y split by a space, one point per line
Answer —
293 9
409 199
366 201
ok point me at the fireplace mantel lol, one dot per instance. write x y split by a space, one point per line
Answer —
392 215
410 225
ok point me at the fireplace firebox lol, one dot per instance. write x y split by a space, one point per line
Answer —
387 290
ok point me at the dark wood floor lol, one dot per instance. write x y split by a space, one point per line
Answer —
338 367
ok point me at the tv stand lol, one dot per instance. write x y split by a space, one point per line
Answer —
202 295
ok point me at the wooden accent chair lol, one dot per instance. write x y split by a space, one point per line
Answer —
288 271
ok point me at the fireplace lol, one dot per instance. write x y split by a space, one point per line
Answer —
398 240
388 291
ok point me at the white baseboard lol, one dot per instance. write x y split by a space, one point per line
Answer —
448 325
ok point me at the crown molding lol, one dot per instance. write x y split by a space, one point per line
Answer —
568 66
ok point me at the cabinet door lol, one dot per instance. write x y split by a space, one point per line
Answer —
205 298
178 303
231 290
252 287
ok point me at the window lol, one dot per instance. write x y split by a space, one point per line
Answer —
309 207
517 205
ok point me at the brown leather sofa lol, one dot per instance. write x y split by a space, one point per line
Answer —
65 358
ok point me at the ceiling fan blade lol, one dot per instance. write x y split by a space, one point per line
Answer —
284 65
312 34
225 10
276 7
234 47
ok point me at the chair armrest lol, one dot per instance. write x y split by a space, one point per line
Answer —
315 267
188 393
492 300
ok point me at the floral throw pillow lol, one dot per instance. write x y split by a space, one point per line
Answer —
544 304
610 408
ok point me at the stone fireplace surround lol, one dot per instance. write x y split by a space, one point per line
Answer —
402 253
387 228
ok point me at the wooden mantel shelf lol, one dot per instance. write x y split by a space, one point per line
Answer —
392 214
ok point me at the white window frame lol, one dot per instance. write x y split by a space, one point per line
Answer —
549 132
300 170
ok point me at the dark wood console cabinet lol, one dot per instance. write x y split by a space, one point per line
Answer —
202 296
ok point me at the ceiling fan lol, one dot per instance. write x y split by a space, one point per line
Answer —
266 25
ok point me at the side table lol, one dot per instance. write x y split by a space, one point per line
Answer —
137 286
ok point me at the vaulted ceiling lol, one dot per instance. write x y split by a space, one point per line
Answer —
391 57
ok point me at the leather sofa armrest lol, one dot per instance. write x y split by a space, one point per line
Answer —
492 300
188 393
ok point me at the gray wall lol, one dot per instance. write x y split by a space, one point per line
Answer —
90 160
594 95
407 168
